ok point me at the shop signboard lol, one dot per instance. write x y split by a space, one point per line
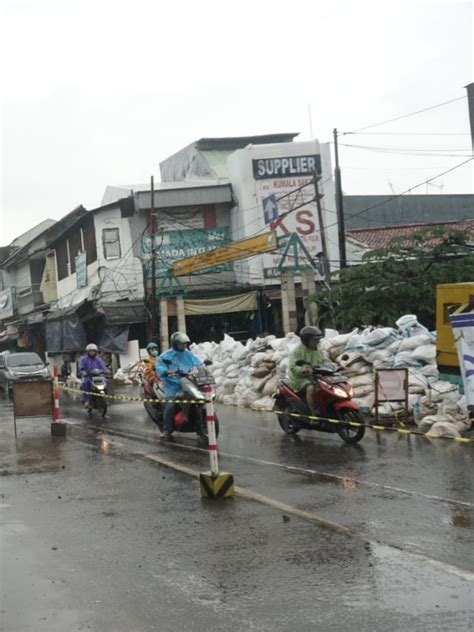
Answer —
232 252
7 303
81 270
288 194
182 244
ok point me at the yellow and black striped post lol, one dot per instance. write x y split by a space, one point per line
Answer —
214 484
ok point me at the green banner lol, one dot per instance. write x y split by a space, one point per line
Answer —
180 244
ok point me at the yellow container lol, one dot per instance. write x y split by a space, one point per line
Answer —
449 296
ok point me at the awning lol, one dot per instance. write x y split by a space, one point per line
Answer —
238 303
122 312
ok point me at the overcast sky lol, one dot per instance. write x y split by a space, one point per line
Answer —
98 92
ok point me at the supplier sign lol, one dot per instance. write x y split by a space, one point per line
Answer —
286 167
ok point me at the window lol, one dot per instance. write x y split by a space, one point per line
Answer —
111 241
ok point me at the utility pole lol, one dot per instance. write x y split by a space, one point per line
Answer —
153 259
322 230
339 207
470 104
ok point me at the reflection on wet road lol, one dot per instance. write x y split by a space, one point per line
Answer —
109 540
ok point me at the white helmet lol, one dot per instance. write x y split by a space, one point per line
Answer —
91 347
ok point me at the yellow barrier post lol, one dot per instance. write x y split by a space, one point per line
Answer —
214 484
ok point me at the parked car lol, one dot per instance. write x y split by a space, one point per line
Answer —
22 367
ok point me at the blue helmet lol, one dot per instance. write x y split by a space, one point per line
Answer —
151 345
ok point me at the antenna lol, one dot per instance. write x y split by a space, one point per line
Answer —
391 186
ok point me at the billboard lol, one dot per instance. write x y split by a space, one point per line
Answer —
232 252
288 194
181 244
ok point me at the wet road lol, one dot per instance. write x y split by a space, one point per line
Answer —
95 535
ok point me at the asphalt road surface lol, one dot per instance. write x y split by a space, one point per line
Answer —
97 534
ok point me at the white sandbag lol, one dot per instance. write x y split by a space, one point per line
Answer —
395 346
334 352
404 359
415 341
363 390
361 380
229 385
340 340
437 390
277 343
257 358
358 368
347 359
462 425
259 383
424 425
260 371
382 364
330 333
425 353
366 403
444 429
228 400
283 367
387 409
380 355
431 371
264 403
271 386
409 326
380 338
355 342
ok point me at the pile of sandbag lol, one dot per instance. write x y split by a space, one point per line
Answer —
247 374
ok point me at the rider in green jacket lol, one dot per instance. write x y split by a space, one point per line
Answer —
301 377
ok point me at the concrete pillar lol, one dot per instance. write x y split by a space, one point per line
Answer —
308 282
164 330
288 302
180 313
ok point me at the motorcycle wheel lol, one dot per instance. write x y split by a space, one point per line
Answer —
102 406
287 422
351 434
155 415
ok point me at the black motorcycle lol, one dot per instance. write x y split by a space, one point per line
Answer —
98 399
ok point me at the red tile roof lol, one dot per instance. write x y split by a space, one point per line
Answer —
380 237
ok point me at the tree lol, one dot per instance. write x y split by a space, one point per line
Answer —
396 280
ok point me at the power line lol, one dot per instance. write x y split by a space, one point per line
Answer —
394 197
403 116
410 133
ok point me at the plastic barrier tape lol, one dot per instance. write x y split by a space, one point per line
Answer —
127 398
355 424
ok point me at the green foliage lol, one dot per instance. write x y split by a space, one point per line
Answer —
400 279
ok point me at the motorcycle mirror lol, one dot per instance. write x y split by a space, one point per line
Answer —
207 362
301 363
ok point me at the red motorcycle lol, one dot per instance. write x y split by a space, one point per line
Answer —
333 401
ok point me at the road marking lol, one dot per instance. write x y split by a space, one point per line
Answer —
308 516
291 468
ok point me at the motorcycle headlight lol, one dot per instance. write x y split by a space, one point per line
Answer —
340 392
350 391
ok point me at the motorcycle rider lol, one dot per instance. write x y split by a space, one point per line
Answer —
168 364
149 363
88 363
300 377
